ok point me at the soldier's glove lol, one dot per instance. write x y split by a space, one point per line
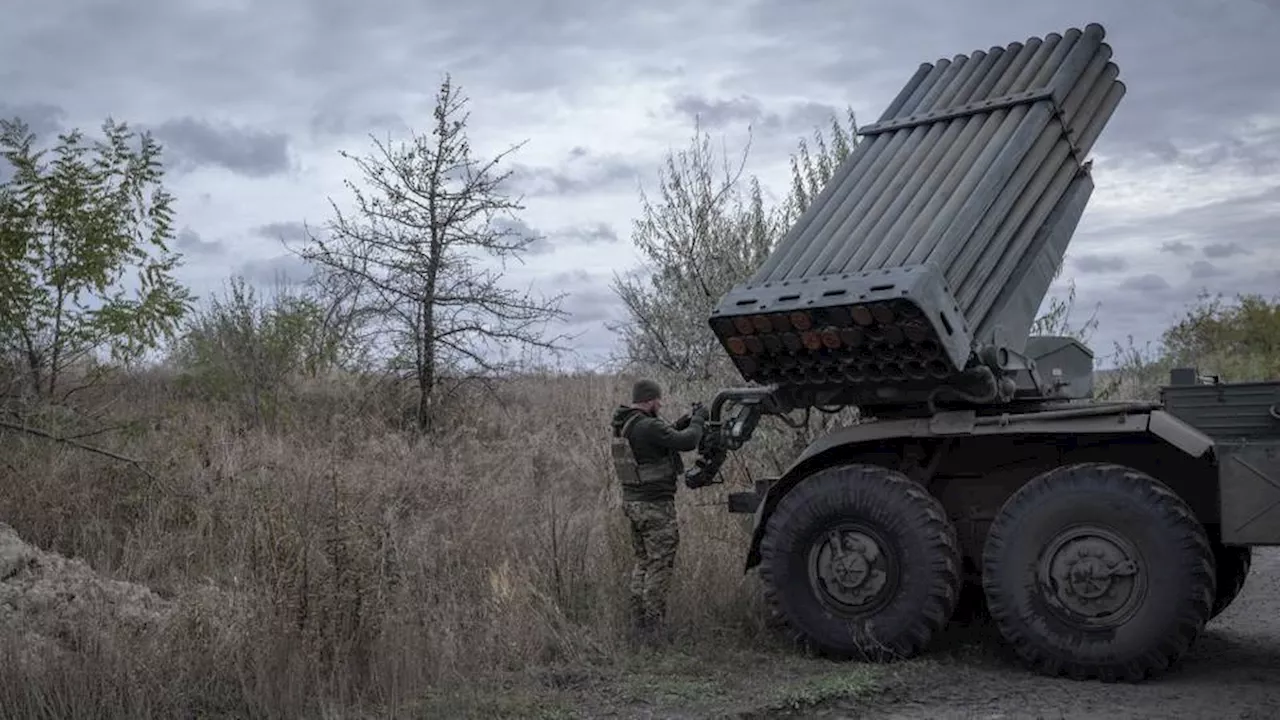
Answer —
701 412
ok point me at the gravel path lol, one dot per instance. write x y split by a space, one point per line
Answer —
1231 672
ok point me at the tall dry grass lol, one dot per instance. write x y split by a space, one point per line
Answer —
333 564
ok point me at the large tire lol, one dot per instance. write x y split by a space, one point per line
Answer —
1138 562
1234 563
901 573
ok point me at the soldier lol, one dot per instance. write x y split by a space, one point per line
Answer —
646 451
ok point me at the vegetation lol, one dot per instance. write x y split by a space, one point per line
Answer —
73 226
429 209
312 555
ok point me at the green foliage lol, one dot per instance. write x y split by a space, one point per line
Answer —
1237 341
810 173
72 226
247 349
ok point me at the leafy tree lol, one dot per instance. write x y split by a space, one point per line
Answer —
1240 340
412 245
74 222
1237 341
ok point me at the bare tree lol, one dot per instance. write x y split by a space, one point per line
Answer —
415 247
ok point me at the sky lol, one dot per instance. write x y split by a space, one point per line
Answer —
254 101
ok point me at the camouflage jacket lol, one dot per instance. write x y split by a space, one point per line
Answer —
656 445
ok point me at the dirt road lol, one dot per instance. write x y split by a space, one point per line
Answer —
1232 672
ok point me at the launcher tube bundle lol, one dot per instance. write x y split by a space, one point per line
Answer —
931 248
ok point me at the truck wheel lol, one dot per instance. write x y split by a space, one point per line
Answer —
1098 571
1234 563
862 563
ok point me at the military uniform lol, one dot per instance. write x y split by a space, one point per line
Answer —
647 457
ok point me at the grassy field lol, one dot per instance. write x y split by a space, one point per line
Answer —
328 563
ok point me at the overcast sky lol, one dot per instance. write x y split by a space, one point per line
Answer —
254 100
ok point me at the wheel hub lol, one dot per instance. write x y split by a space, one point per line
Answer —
1093 574
849 569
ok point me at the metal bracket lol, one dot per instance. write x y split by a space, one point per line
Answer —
973 108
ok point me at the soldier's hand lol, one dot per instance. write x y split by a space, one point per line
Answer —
700 411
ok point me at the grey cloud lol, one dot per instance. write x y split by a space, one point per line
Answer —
1202 269
518 228
589 299
189 241
287 269
245 151
1149 282
582 171
288 232
43 120
577 276
340 120
1101 263
592 234
1177 247
1223 250
1248 220
715 113
781 122
592 305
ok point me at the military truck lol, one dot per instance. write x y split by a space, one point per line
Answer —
1102 535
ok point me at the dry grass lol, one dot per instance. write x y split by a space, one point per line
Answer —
336 566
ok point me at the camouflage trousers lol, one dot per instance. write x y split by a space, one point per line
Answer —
655 536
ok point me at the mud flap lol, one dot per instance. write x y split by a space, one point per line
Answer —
1249 492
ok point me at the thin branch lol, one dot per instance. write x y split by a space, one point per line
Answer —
36 432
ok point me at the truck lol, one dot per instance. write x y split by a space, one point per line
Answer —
1101 536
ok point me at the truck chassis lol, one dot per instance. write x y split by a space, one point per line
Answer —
1102 536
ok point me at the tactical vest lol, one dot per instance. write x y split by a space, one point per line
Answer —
630 473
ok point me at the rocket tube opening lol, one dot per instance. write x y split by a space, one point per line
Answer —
938 369
915 369
736 345
882 313
893 371
861 315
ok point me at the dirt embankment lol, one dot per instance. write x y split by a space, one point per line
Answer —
1230 673
47 602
